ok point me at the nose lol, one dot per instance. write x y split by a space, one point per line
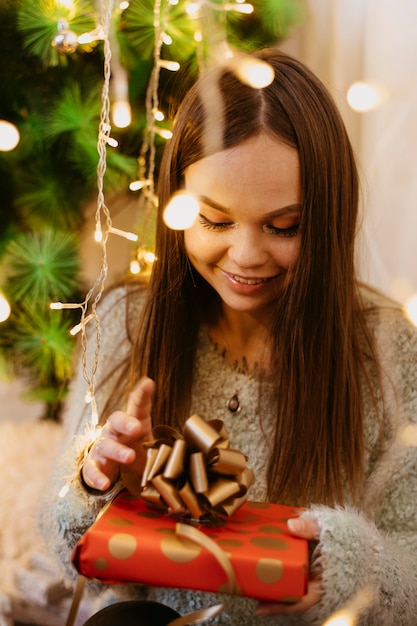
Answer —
247 248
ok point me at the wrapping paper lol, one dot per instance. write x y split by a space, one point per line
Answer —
131 542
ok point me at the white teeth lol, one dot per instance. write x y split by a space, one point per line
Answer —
249 281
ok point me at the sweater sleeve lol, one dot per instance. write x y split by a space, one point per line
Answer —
375 548
67 508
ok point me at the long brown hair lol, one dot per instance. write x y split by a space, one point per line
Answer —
321 345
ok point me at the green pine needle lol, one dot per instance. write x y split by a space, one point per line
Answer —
138 28
42 345
42 267
74 113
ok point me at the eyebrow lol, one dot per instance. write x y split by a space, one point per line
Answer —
286 210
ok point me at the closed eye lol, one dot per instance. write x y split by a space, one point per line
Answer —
290 231
206 223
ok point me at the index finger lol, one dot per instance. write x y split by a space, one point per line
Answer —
139 403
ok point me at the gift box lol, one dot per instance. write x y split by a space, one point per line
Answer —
131 542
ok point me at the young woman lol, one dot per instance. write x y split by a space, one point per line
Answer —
254 315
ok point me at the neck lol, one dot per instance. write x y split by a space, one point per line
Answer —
244 341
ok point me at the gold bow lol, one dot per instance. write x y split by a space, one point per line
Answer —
196 473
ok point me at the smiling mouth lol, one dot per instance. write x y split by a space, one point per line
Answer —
249 281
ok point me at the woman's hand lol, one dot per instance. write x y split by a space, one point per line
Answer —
121 439
306 528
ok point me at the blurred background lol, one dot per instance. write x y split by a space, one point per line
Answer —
86 91
52 77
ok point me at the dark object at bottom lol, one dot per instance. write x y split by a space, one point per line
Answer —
133 613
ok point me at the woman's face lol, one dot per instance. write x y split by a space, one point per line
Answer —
245 238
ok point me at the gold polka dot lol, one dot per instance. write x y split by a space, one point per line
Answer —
269 543
272 530
101 564
269 570
149 514
230 543
118 521
258 505
179 549
122 545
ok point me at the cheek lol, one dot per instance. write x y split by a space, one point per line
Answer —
288 252
200 245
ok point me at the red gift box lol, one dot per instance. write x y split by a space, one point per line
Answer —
130 542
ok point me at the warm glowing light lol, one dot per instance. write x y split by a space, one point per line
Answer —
351 612
239 8
136 185
340 620
9 136
121 114
163 132
172 66
158 115
124 5
192 8
253 72
408 435
198 36
63 491
5 309
411 309
98 235
134 267
77 328
112 142
59 306
167 39
149 257
123 233
181 211
66 3
364 96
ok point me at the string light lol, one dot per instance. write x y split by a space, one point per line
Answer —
59 306
123 233
365 96
121 114
411 309
181 211
5 309
349 615
9 136
253 72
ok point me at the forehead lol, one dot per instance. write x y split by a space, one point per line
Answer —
260 169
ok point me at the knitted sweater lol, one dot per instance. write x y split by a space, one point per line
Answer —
374 546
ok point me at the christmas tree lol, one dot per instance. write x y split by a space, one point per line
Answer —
54 61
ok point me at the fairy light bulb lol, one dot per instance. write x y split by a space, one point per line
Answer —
98 235
365 96
411 309
172 66
9 136
134 267
181 211
253 72
5 309
121 114
340 620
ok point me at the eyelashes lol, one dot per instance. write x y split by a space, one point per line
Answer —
291 231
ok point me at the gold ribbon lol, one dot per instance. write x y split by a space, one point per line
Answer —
195 474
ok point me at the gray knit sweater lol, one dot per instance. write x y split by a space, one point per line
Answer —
374 547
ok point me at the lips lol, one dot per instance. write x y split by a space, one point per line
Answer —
249 281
